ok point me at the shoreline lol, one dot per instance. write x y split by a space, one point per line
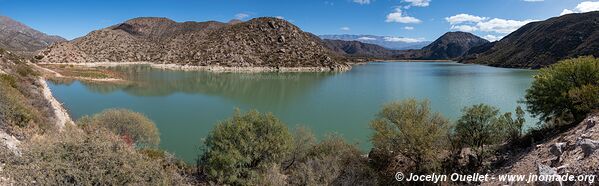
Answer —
210 68
61 115
415 60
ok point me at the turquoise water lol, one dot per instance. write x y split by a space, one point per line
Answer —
186 105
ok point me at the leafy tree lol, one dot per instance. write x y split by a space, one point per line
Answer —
239 148
481 125
568 88
131 126
409 128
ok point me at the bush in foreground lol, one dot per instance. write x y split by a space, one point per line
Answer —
131 126
239 148
410 129
331 162
481 126
566 89
77 157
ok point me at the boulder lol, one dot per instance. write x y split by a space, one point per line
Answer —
557 149
544 170
588 146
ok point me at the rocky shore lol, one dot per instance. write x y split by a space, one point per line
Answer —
213 68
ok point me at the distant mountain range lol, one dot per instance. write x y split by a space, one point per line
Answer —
451 45
20 38
542 43
389 42
260 42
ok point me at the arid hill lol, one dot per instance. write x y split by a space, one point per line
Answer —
542 43
22 39
260 42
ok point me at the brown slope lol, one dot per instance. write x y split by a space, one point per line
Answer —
539 44
260 42
20 38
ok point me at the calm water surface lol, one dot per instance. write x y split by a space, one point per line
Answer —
186 105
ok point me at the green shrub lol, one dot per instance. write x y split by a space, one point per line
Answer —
25 70
78 157
410 129
237 149
131 126
331 162
560 89
481 126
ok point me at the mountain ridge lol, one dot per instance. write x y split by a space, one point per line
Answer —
20 38
539 44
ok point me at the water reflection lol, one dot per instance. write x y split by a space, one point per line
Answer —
248 88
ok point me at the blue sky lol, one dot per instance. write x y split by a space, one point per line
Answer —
413 19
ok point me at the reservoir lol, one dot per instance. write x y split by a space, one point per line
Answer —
185 105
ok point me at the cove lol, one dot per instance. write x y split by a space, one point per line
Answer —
185 105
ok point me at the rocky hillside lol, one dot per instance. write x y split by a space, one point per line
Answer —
20 38
574 152
393 43
452 45
260 42
539 44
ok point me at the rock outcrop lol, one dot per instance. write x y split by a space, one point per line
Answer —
260 42
539 44
574 152
19 38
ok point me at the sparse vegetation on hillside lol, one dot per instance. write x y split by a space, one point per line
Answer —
85 157
133 127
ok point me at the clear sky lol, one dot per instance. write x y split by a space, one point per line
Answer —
413 19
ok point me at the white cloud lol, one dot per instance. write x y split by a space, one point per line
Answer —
420 3
470 23
345 28
492 37
534 0
367 38
241 16
462 18
399 17
279 17
503 26
408 28
404 39
587 6
464 28
362 2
